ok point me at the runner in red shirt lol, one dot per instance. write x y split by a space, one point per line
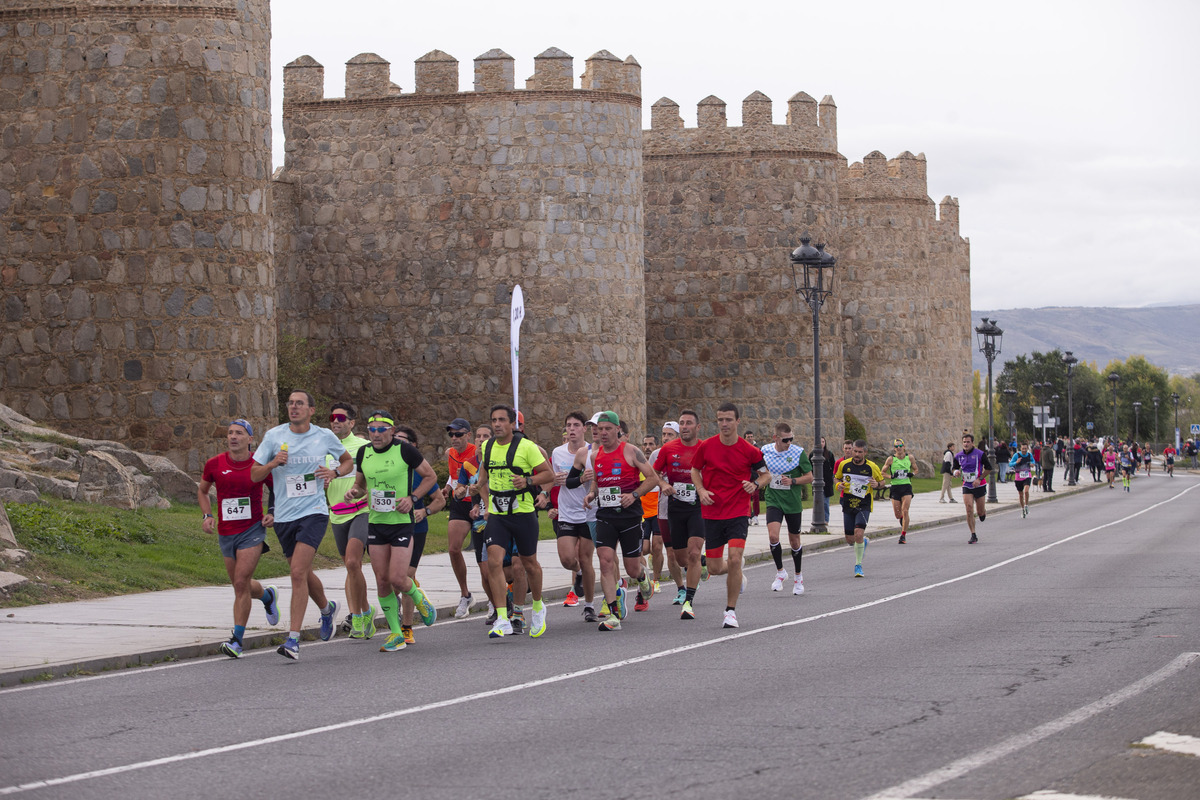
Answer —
727 471
684 521
242 527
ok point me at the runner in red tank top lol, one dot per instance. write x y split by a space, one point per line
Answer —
686 525
617 488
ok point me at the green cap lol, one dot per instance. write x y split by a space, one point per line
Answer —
608 416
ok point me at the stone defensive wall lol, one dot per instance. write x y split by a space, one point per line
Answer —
135 243
906 311
404 219
725 206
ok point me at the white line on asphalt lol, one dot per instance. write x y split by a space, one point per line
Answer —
1046 794
956 769
568 676
1174 742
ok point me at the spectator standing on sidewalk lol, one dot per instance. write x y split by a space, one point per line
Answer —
947 472
1048 457
1003 456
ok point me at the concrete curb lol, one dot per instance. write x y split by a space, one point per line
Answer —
254 641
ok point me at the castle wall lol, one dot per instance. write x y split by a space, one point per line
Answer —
724 209
415 214
903 360
135 249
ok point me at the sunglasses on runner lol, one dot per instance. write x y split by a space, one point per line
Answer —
788 439
456 434
373 429
338 417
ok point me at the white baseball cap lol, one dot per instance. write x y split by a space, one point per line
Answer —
671 425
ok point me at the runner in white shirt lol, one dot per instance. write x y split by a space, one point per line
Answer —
575 525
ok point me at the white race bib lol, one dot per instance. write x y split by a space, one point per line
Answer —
502 505
1023 473
685 492
383 501
609 496
235 508
858 485
777 483
900 474
968 477
302 485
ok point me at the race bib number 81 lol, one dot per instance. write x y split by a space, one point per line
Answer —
302 485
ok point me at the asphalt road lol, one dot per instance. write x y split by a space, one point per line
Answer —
1034 660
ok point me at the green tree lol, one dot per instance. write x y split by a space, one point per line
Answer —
1139 381
300 367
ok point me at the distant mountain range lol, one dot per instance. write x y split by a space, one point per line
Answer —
1168 336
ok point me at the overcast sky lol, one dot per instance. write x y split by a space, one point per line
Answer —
1068 130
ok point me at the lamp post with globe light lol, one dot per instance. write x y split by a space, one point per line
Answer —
990 338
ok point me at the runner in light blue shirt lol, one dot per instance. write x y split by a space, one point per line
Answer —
294 454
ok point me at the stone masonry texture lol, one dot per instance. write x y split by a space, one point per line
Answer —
135 244
148 260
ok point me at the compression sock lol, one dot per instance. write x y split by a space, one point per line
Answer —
691 594
859 549
796 558
391 610
238 632
777 554
414 591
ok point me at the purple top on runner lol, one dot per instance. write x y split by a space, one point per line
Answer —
972 465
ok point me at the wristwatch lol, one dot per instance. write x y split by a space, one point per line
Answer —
206 516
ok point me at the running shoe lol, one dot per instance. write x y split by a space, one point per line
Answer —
502 628
798 585
903 537
973 539
646 587
272 605
687 612
657 587
610 623
492 616
424 607
406 630
369 623
858 571
640 603
539 623
394 642
290 649
348 623
604 612
745 583
704 572
589 614
356 626
780 577
577 586
680 596
327 622
1024 512
517 620
232 648
464 607
571 599
730 619
622 609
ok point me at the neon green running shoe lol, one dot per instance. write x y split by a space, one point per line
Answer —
424 607
369 623
394 642
356 626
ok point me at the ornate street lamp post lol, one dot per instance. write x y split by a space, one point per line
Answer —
1114 379
812 274
1137 407
1010 400
990 337
1053 403
1156 399
1069 361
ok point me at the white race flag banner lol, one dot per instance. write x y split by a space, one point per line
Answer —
516 318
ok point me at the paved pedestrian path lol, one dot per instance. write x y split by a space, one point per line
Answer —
115 632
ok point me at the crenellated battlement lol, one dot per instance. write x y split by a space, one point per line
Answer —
878 178
810 127
368 76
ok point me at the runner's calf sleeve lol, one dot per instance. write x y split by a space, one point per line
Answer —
796 558
777 554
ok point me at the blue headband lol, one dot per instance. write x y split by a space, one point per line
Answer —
245 426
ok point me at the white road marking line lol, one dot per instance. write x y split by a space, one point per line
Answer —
956 769
1173 742
896 792
1046 794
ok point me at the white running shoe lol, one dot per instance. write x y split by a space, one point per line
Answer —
539 623
780 577
502 627
730 619
745 581
464 607
798 586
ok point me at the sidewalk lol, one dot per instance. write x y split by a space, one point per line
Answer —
92 635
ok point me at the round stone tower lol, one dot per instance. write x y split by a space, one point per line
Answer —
725 206
405 219
135 245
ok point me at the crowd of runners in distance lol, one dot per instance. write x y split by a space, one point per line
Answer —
676 501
